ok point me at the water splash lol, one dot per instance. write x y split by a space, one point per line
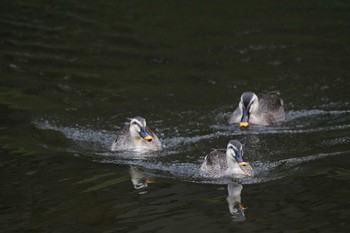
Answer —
170 164
105 138
79 133
292 115
291 126
265 171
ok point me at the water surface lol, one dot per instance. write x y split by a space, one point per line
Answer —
72 72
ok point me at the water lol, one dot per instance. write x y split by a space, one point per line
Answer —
72 72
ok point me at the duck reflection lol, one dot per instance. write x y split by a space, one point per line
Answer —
234 202
139 178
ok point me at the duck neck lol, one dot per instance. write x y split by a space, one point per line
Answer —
232 165
137 140
254 107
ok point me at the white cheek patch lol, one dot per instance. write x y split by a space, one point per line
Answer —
233 148
137 128
252 100
241 106
253 105
137 124
136 121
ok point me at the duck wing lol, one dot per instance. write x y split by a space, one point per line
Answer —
270 101
155 142
123 139
216 159
235 116
271 104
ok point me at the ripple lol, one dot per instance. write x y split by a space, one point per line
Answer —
275 130
265 171
286 128
105 138
80 133
292 115
180 169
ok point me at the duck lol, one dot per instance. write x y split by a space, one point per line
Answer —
267 109
218 164
136 136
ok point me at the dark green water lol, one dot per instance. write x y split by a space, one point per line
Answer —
72 72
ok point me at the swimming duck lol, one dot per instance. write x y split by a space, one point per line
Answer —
230 164
265 110
136 136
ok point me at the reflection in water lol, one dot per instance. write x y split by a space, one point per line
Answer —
268 165
234 202
141 180
138 178
70 71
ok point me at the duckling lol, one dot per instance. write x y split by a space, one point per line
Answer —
218 164
265 110
136 136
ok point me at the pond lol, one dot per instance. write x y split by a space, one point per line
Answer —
73 73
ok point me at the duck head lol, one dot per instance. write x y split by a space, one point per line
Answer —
235 163
248 105
234 155
138 129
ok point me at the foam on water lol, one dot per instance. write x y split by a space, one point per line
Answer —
80 133
292 115
154 163
265 171
291 126
260 130
105 138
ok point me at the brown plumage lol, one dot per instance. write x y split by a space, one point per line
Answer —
267 109
226 164
136 136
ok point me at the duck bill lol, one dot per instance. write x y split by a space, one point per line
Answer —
243 124
145 135
240 161
243 164
245 118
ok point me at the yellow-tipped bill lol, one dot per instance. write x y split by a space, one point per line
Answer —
148 138
243 164
243 124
